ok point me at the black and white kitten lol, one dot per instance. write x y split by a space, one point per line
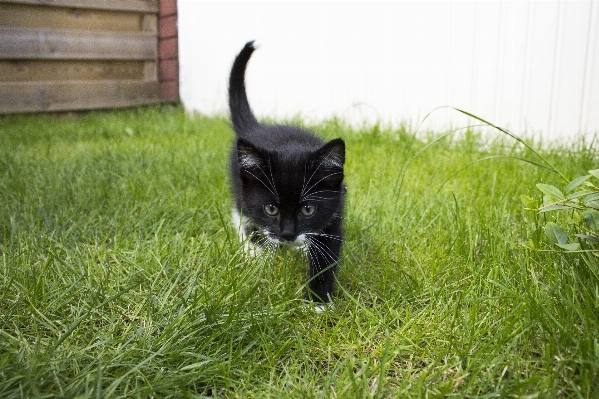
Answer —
288 186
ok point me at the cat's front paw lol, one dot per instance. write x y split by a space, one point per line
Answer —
323 307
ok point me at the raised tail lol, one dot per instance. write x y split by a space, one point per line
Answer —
241 114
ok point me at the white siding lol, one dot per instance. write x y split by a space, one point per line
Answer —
530 66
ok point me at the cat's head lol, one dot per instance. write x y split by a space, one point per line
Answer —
291 192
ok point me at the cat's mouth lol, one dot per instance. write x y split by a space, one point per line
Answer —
298 242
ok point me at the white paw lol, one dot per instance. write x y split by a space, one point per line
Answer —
322 307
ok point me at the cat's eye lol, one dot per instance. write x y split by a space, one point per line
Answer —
308 210
271 210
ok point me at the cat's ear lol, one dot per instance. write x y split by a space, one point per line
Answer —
327 163
249 156
331 155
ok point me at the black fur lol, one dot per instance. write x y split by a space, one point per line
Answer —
288 172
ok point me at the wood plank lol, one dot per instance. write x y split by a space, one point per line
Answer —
151 70
59 70
69 18
147 6
149 23
34 97
30 43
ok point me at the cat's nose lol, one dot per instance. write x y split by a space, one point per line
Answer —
287 232
288 237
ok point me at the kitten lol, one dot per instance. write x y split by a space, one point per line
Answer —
288 186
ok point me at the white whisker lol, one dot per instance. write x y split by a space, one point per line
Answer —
334 237
307 192
272 180
313 173
314 257
264 184
309 180
323 249
313 195
326 191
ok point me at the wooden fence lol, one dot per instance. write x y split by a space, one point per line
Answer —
79 54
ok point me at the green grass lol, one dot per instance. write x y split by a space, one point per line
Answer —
121 275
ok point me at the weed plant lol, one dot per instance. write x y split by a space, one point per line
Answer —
122 276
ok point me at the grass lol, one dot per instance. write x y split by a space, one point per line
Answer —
121 275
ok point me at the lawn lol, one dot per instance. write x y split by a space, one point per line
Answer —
121 274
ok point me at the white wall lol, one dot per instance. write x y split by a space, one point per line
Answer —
530 66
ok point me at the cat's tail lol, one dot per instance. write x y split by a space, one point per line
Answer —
241 114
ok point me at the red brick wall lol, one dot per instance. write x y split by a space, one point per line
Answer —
168 51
